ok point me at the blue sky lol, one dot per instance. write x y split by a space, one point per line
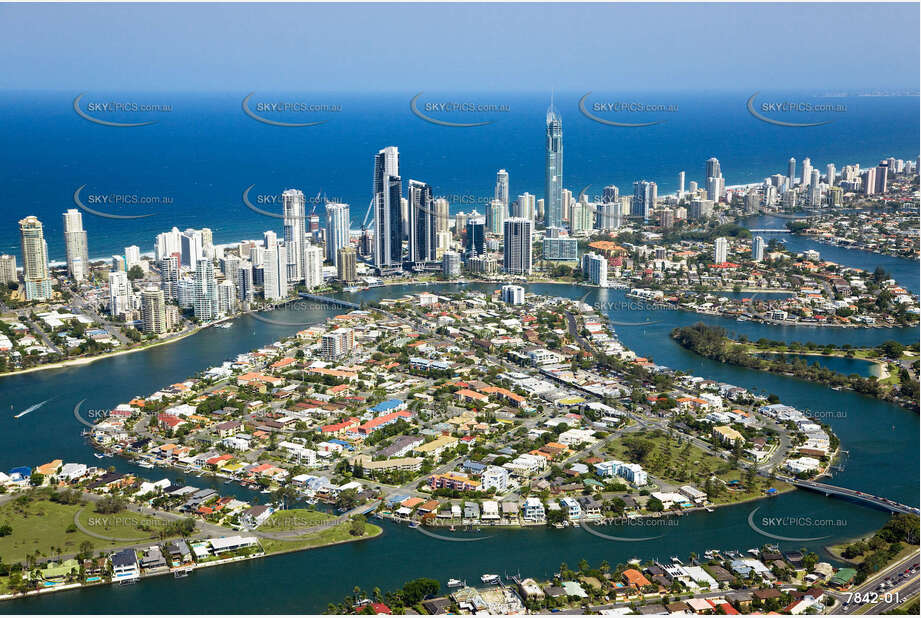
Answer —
474 47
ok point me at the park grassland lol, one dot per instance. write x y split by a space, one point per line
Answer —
296 519
681 464
42 529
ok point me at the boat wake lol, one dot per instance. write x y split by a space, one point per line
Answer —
32 408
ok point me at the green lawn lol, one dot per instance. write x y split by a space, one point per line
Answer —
40 528
294 519
687 464
337 534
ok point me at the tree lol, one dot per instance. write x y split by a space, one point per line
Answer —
135 272
357 527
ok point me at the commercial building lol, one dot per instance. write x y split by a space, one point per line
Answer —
75 245
517 257
36 275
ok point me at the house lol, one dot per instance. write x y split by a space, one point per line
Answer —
179 552
125 565
634 578
571 508
726 435
152 559
255 516
495 477
533 509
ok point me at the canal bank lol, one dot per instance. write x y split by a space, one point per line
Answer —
881 440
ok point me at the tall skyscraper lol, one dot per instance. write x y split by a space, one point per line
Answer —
347 265
758 249
518 236
830 174
153 311
525 207
715 183
713 168
119 293
75 245
35 273
475 240
791 172
275 264
720 250
595 269
337 230
553 179
169 276
388 225
226 298
495 217
245 284
132 257
501 192
192 248
204 291
645 195
8 272
680 185
442 215
807 171
293 211
882 176
422 228
313 266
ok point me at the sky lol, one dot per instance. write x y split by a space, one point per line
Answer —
453 47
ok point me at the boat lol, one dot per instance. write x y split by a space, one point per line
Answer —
413 524
32 408
180 573
146 465
223 325
490 578
456 583
677 560
709 509
98 455
754 552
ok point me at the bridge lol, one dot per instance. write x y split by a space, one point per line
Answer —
770 230
857 496
326 300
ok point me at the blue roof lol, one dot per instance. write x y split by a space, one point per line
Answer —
474 465
386 406
21 471
342 443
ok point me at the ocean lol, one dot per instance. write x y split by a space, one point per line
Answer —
194 163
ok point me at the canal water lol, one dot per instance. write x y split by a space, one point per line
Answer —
881 439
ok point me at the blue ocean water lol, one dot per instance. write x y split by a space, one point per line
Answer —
205 151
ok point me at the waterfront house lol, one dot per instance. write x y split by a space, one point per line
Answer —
571 508
125 565
490 510
179 552
533 509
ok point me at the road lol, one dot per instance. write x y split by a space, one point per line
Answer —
890 598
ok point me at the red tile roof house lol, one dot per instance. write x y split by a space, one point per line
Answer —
168 421
377 608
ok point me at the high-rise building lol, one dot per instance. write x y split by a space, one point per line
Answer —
275 279
475 240
595 269
700 209
582 217
75 245
460 224
313 265
450 264
495 217
525 207
807 171
35 273
388 220
720 250
645 195
167 244
169 276
153 311
132 257
758 249
608 216
715 183
347 265
337 343
680 185
192 248
8 272
423 242
553 170
882 176
518 233
442 215
512 294
713 168
226 297
610 194
830 174
337 230
567 205
204 291
791 172
868 180
245 284
293 202
815 190
558 247
119 294
501 192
